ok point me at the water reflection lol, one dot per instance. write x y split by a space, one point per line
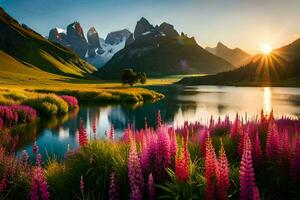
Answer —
181 104
267 100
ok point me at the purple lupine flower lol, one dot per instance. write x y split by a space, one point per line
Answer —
38 160
35 148
113 188
296 162
111 134
210 170
173 142
25 157
135 175
81 184
247 177
39 185
272 143
222 174
151 188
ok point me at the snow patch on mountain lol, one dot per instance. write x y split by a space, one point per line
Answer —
108 51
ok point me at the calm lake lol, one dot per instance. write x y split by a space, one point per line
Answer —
193 103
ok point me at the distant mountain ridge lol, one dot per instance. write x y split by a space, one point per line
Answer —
20 44
159 51
281 66
235 56
93 49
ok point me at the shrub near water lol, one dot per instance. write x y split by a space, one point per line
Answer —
47 104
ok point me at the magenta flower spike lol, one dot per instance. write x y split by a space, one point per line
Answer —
135 175
81 184
39 186
181 167
113 188
151 188
210 170
83 138
222 174
296 162
111 134
248 189
272 143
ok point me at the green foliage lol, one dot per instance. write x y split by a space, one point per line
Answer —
95 163
47 104
130 77
192 189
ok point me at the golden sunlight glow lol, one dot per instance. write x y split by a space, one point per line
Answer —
266 49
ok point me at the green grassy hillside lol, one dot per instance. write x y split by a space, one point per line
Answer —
34 51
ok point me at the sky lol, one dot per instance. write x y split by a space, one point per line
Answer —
247 24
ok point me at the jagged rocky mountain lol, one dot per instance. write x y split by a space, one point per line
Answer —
159 51
235 56
94 49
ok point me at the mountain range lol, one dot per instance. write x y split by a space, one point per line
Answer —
93 49
160 51
281 67
25 52
235 56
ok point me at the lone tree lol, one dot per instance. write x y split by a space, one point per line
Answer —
131 77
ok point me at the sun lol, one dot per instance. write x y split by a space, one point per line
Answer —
266 49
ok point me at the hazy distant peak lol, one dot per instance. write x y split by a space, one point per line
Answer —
235 56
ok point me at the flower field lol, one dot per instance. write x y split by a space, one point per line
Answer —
247 158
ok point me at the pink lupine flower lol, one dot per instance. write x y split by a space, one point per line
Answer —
181 168
25 157
151 188
95 129
272 143
38 160
248 188
222 174
81 184
210 170
113 188
72 101
173 142
83 138
111 134
164 154
296 162
135 193
256 151
3 182
285 146
135 175
159 122
235 127
204 133
39 186
35 148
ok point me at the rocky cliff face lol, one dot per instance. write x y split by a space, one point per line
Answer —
142 27
77 39
93 49
168 30
117 36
